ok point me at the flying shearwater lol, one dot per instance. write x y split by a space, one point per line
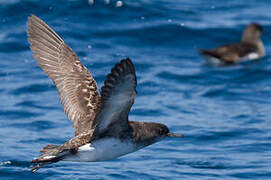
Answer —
102 129
249 48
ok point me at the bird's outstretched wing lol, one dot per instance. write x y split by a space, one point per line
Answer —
78 90
117 98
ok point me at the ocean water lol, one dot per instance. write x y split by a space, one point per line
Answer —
224 112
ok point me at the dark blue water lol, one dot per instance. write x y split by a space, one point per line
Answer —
224 112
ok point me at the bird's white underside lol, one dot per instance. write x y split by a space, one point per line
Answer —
102 150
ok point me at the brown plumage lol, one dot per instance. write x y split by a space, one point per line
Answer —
94 117
78 90
249 48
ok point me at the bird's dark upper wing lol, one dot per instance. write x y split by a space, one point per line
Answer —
78 90
241 49
230 52
118 94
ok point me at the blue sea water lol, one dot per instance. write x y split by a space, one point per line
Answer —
224 112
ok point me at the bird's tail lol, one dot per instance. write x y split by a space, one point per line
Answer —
206 52
50 154
53 153
210 56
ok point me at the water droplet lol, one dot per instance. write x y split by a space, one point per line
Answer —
119 3
169 20
90 2
107 1
89 46
142 18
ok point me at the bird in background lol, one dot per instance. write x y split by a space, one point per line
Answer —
250 47
102 127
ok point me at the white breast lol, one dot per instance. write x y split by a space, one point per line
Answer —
102 150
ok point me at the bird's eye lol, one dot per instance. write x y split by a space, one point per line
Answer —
160 130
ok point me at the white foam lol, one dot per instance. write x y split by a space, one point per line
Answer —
212 60
5 163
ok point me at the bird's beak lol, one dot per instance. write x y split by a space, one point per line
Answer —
170 134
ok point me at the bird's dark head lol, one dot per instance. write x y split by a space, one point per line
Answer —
252 32
256 27
149 132
162 131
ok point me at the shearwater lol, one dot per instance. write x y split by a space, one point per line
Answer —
102 129
249 48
